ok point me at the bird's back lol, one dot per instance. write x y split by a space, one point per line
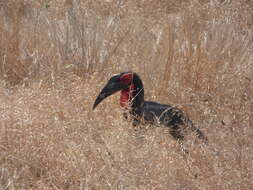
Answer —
171 117
162 114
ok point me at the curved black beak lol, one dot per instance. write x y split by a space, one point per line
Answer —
110 88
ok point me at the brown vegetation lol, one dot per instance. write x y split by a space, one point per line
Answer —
56 55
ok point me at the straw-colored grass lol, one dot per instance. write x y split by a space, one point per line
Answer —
55 56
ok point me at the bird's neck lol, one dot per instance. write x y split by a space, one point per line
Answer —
132 97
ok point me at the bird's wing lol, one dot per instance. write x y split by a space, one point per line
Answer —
162 113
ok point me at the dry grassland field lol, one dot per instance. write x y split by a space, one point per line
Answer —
56 56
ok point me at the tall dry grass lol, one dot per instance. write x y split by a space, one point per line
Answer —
55 56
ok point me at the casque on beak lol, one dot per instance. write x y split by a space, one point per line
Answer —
114 85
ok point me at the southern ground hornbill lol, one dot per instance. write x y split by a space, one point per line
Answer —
147 112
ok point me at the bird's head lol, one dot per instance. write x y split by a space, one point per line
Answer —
116 83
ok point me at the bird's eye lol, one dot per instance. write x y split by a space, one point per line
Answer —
127 78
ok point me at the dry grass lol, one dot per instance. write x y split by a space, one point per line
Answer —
56 55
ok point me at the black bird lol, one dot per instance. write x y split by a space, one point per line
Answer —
141 111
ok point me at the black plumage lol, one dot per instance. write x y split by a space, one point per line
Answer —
147 112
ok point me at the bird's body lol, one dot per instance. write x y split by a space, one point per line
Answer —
161 113
141 111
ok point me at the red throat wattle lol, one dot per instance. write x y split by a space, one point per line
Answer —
129 93
126 96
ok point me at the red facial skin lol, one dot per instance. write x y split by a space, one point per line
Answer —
127 94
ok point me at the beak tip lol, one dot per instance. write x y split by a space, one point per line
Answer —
96 103
94 106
